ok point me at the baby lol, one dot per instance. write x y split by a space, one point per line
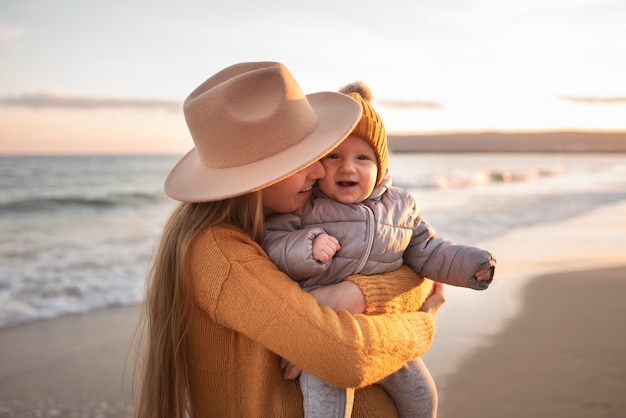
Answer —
357 223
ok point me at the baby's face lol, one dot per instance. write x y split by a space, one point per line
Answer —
351 171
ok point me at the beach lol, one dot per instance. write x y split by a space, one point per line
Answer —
547 338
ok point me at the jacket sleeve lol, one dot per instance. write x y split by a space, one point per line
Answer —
445 261
291 247
241 289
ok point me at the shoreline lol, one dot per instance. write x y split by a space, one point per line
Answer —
549 141
76 365
514 142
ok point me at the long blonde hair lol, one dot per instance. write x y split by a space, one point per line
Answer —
169 300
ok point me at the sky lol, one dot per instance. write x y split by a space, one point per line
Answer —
80 76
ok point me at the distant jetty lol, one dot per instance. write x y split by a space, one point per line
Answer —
510 142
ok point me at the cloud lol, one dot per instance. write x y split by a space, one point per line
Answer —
55 100
595 100
407 105
9 32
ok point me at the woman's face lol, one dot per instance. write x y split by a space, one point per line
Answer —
291 193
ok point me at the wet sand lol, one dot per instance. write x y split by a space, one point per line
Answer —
73 366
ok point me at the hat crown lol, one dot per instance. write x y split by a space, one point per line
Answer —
247 112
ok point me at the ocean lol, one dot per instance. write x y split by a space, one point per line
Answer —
78 233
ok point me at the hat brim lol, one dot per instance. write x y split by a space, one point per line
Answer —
190 181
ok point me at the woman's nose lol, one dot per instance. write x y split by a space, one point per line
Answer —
316 170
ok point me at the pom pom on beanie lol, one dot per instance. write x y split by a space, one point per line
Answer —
370 127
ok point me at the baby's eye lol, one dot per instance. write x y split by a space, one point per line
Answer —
363 157
332 156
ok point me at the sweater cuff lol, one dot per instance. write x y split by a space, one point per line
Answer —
399 291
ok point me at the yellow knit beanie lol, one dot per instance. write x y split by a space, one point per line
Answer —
370 127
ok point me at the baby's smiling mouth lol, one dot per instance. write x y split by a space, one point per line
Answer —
347 183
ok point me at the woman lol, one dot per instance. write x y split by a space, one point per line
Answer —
219 315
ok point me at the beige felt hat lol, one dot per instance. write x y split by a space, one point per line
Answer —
252 126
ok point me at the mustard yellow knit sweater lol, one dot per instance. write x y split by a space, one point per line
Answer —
248 314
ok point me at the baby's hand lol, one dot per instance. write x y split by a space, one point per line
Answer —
290 370
483 274
325 247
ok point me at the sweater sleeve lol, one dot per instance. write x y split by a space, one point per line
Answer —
240 288
399 291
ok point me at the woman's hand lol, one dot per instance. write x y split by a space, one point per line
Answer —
435 300
343 296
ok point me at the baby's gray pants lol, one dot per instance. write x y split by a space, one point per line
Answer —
411 388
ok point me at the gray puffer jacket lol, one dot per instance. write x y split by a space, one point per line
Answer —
376 236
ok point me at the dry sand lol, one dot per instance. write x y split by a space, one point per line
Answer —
549 346
564 356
